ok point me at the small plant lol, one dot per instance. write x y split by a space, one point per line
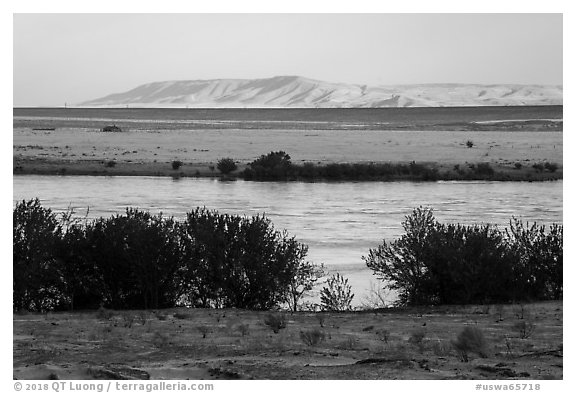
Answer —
128 320
226 165
538 167
113 128
484 168
550 166
160 340
321 318
176 164
376 298
104 315
244 329
470 340
441 348
383 335
525 328
275 321
417 339
337 296
469 144
521 311
312 337
509 344
110 164
499 308
143 317
204 330
348 344
517 165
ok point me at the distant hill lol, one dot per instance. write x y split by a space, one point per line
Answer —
299 92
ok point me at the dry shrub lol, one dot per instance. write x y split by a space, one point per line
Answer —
525 328
470 340
312 337
143 317
417 339
441 348
128 320
160 340
244 329
204 330
499 309
348 344
104 314
179 315
321 317
383 335
275 321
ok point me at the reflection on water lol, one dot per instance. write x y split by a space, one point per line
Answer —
338 221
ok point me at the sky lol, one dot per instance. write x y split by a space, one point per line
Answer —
71 58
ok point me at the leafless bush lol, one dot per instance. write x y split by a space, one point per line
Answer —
376 298
441 348
275 321
180 315
348 344
321 317
383 335
499 309
143 317
160 340
417 339
525 328
204 330
104 314
244 329
312 337
128 319
521 311
508 342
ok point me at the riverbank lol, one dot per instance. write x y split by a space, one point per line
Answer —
523 341
316 172
151 152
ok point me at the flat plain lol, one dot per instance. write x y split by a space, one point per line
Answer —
62 141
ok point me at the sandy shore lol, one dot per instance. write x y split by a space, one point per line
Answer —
235 344
151 152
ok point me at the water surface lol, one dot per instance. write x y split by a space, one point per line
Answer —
339 222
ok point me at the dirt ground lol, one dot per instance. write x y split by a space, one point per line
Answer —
523 342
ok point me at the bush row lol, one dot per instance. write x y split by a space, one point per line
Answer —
138 260
434 263
277 166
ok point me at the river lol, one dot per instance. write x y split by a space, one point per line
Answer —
339 222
